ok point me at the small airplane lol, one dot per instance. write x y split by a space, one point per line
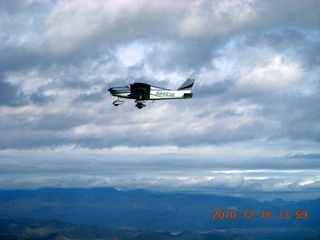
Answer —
143 92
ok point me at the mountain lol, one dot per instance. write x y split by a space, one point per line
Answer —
140 210
28 229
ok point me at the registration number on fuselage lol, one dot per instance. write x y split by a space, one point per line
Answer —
165 94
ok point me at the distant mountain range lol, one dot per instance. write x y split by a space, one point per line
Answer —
28 229
140 210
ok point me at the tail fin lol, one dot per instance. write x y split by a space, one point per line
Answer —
187 85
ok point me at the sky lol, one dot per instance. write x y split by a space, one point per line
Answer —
252 128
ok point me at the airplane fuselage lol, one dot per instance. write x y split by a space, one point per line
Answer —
143 92
155 93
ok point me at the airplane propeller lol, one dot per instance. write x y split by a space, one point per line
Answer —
109 89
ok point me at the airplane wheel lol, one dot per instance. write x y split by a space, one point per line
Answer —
140 105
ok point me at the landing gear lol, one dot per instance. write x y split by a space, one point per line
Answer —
140 104
118 102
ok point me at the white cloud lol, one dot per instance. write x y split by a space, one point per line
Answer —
215 18
272 74
132 54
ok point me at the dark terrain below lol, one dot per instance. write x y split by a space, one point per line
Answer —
27 229
141 214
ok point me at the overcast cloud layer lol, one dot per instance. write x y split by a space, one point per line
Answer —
252 128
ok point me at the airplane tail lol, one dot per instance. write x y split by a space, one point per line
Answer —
187 85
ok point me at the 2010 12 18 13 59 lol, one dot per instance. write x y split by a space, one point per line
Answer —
263 214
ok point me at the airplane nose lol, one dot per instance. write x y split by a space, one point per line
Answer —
110 90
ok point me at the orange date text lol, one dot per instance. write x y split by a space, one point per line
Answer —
263 214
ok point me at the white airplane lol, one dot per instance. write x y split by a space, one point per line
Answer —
143 92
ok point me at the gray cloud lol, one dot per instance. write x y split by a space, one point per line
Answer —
256 95
9 94
204 170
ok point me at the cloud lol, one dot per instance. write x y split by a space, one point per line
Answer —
9 95
216 18
255 106
172 169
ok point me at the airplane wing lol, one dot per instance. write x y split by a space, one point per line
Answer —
140 91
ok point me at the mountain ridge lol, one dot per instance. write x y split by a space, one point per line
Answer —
141 209
30 229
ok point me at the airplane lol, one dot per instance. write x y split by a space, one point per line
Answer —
143 92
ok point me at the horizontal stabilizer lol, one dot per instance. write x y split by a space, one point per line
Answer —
187 95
